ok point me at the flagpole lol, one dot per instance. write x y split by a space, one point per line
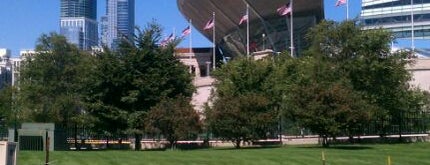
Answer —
413 27
174 32
292 29
190 46
247 31
213 41
347 10
191 37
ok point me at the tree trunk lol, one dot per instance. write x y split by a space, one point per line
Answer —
325 141
75 131
107 142
137 145
237 143
172 145
351 139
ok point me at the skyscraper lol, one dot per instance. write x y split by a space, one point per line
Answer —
118 22
78 22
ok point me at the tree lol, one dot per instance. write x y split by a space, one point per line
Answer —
134 78
362 58
241 118
52 82
6 106
175 119
241 109
327 107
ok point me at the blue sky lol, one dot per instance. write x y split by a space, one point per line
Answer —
23 21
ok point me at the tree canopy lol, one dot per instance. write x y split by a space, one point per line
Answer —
52 82
129 81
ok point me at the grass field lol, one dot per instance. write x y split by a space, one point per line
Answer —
401 154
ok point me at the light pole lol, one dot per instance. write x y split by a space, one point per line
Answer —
264 41
12 104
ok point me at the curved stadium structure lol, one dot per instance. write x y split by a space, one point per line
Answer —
268 30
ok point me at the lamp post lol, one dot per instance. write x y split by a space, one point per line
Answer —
14 110
12 104
264 41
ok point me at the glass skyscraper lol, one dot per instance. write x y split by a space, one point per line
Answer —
118 22
395 15
78 22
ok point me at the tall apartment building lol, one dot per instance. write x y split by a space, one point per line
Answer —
118 22
78 22
396 15
5 68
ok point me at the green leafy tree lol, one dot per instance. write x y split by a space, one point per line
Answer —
136 77
52 82
241 109
6 107
175 119
242 118
363 58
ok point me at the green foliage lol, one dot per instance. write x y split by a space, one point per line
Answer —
6 106
52 82
346 78
366 70
175 119
241 110
129 81
241 118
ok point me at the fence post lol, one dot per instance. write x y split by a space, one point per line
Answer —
46 148
389 160
323 157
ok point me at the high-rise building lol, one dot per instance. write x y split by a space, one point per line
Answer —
118 22
78 22
5 68
396 15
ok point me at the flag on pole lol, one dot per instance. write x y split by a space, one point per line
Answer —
284 10
170 38
186 31
167 40
210 24
340 2
243 19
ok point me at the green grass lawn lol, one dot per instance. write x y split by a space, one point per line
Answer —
401 154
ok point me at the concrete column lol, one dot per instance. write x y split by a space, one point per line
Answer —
208 68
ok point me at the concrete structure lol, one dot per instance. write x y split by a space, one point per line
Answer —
8 152
395 15
420 70
78 22
118 22
267 28
199 62
30 134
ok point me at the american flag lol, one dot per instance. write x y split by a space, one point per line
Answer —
243 19
186 31
210 24
340 2
167 40
284 10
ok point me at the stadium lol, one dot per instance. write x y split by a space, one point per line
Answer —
268 30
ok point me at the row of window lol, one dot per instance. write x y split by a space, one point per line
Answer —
396 19
395 3
417 33
79 8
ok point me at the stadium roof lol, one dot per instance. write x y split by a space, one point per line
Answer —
263 18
